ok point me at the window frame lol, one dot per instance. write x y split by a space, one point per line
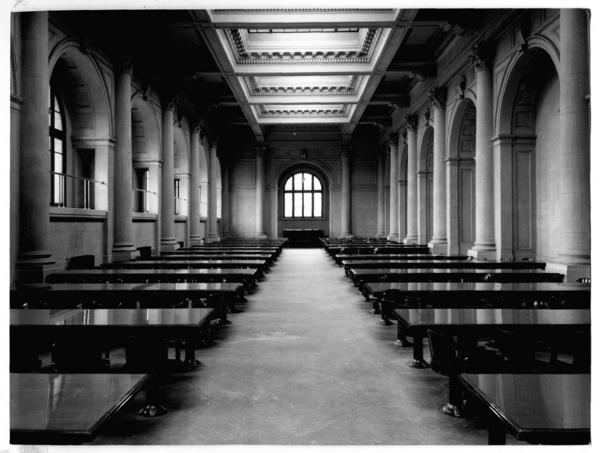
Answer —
303 191
56 106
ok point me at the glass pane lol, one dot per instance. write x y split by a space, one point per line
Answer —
57 189
57 121
298 181
58 163
297 205
287 205
318 205
317 183
308 205
288 183
58 145
307 181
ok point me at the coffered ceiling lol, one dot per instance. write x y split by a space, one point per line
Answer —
302 66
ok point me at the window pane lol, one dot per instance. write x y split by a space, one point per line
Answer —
308 204
317 184
318 205
58 163
288 183
307 181
298 181
58 145
297 205
57 121
287 205
57 189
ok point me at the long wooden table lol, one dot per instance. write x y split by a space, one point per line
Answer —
484 322
143 275
391 295
535 408
440 264
180 262
359 258
66 408
81 337
362 276
221 296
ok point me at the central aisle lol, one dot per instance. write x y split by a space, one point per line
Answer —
304 363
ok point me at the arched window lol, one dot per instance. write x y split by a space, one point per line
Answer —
303 196
57 150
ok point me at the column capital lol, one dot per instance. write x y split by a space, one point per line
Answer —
437 96
169 103
411 121
404 137
392 142
346 151
261 150
482 55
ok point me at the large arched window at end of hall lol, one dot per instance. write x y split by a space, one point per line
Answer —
57 134
303 196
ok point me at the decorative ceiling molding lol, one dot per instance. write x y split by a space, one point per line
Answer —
244 53
287 89
335 110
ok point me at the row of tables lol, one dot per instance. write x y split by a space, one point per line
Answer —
489 325
148 306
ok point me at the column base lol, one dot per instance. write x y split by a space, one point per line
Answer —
410 240
346 235
483 252
393 237
260 236
33 267
196 240
124 252
438 247
168 245
571 271
380 235
213 237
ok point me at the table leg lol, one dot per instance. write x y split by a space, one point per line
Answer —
417 360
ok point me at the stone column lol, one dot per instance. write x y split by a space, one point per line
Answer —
393 146
484 247
34 256
439 241
168 243
213 231
123 247
452 216
194 210
346 228
422 206
380 195
411 181
260 193
225 200
401 208
574 203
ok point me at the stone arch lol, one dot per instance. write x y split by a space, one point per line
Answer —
79 85
146 153
181 167
425 186
323 174
460 197
528 166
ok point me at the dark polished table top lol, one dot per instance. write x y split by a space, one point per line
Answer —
359 272
463 264
110 317
130 287
537 408
200 263
184 264
461 317
208 257
389 288
66 408
397 256
168 271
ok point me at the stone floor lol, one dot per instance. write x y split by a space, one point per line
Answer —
303 363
